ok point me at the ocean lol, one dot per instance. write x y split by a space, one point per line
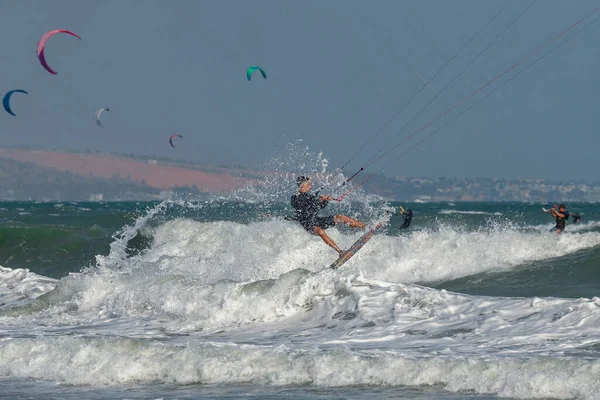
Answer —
224 298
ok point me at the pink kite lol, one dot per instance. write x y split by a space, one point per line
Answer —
42 44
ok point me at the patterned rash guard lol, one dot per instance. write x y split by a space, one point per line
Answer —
562 222
306 207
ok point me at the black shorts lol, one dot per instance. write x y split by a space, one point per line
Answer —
321 222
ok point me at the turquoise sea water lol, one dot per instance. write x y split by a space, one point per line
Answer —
226 299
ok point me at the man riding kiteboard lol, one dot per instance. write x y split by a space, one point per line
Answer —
307 207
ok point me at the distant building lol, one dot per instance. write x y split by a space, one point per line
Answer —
164 194
96 197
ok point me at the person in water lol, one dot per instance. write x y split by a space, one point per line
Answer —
576 218
307 206
408 216
561 215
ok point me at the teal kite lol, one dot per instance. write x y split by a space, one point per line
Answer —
254 68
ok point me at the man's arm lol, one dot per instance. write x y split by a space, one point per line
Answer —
556 213
324 199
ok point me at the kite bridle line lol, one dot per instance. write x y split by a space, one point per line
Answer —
369 140
427 82
482 98
451 82
376 158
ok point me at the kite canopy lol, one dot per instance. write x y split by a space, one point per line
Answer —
6 100
42 44
173 137
254 68
100 111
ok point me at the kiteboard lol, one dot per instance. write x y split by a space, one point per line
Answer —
355 247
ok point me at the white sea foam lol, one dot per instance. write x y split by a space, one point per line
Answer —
113 361
191 263
263 250
17 285
224 302
339 330
467 212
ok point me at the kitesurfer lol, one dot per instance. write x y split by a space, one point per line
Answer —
307 205
408 215
561 215
576 218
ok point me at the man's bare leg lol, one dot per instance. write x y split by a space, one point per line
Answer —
348 221
321 232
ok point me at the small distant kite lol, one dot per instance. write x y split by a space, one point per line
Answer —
42 44
254 68
173 137
6 100
100 111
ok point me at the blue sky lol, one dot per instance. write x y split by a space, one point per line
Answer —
337 71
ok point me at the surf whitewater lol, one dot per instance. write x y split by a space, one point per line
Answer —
228 293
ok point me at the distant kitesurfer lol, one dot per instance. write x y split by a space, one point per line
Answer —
576 218
408 216
562 215
307 206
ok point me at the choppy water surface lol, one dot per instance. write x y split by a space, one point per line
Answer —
226 298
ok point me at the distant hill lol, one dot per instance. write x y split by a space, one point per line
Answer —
53 175
49 175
